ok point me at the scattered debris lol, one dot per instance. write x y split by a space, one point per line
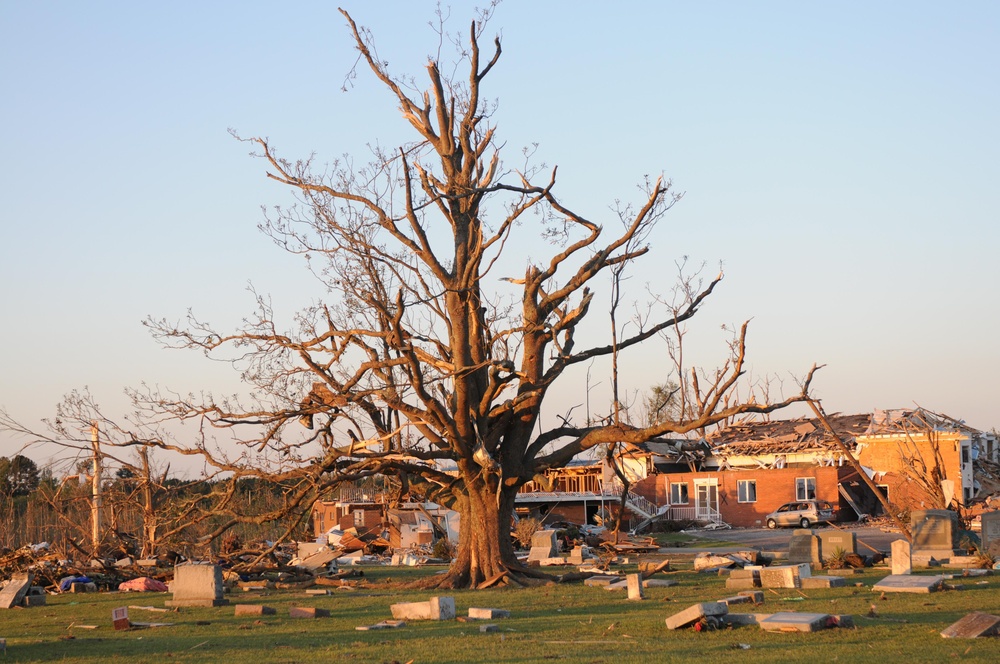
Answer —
385 624
973 626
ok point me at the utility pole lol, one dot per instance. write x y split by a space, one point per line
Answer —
95 503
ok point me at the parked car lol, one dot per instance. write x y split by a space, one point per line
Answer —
801 513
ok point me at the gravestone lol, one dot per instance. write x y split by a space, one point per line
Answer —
254 610
197 585
693 614
788 621
990 534
635 586
973 626
909 583
823 581
487 614
934 531
901 562
14 592
783 576
601 580
436 608
543 546
119 618
832 540
804 547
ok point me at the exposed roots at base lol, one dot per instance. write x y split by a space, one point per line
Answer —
512 575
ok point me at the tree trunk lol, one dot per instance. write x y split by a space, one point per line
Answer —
485 547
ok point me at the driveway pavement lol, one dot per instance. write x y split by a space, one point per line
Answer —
777 539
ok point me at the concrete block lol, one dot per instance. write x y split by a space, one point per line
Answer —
746 573
756 596
254 610
823 581
658 583
442 608
543 546
961 562
740 619
14 592
694 613
33 600
781 576
973 626
745 584
487 629
902 562
634 582
601 581
197 585
411 611
488 614
308 612
788 621
736 599
908 583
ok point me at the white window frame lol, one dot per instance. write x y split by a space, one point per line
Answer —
687 495
742 495
802 488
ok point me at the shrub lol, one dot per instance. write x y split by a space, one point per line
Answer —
524 529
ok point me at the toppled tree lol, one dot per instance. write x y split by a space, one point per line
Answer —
426 363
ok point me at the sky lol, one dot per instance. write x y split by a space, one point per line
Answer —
838 160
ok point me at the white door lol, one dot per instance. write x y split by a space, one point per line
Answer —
706 499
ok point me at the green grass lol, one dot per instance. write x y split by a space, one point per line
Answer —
570 623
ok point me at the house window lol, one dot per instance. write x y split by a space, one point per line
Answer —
747 490
359 518
966 455
678 493
805 488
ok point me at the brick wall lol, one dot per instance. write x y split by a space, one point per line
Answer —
893 455
774 488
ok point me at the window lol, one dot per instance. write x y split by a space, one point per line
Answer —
678 493
966 455
747 490
805 488
359 518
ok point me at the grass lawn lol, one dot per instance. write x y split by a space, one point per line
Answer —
571 623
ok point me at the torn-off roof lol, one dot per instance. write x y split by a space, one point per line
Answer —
787 436
903 420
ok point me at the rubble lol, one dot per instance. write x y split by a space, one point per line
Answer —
973 626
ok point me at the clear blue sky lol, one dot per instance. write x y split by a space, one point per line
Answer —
840 160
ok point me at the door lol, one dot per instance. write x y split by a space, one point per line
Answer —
706 499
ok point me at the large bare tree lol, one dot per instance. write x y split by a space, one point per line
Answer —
426 362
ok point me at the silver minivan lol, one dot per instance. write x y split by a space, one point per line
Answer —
801 513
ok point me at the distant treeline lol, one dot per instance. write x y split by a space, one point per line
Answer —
140 517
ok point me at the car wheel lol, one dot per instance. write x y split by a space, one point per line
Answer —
804 522
772 524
